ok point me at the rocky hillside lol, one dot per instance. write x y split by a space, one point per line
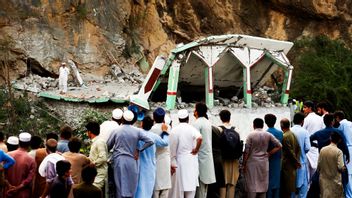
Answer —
96 34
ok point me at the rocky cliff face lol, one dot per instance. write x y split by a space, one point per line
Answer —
96 34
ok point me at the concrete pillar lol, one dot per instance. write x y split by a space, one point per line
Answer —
209 87
172 85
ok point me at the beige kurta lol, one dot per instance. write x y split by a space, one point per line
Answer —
329 164
205 154
98 155
78 161
257 170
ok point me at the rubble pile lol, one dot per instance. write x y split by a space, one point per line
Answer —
134 77
262 97
35 83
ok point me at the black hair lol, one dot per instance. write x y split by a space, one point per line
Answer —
310 104
66 132
89 173
185 120
201 109
62 167
325 105
339 114
2 136
11 147
93 127
328 119
24 145
52 135
225 115
298 118
36 142
74 145
258 123
147 123
270 120
335 137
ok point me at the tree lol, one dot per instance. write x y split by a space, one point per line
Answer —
323 72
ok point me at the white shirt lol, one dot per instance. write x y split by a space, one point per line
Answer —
182 141
64 72
106 129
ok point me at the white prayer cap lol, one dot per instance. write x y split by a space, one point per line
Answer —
128 115
167 119
25 137
63 63
182 114
13 140
117 114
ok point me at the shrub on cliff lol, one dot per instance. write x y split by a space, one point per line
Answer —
323 71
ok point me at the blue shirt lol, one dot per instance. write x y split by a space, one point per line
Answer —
9 161
275 160
303 140
62 146
147 165
323 138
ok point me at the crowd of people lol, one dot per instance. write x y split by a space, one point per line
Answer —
308 157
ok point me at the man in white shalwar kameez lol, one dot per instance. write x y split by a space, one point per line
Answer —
108 126
163 172
63 77
185 142
312 123
205 155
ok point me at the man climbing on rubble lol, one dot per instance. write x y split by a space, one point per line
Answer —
63 77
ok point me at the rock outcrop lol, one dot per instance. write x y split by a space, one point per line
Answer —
96 34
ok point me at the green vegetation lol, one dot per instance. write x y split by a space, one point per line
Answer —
89 115
30 116
82 11
323 71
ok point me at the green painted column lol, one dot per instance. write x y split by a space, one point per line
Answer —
172 86
209 87
286 86
244 70
247 88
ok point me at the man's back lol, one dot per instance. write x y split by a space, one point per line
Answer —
84 190
205 154
303 141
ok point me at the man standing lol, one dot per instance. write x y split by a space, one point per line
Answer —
346 128
185 142
63 77
302 135
98 154
330 165
77 160
275 159
147 158
205 155
312 123
256 159
65 135
47 168
124 142
21 174
108 126
323 108
290 160
163 174
230 165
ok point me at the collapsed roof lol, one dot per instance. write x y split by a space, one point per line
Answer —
225 60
